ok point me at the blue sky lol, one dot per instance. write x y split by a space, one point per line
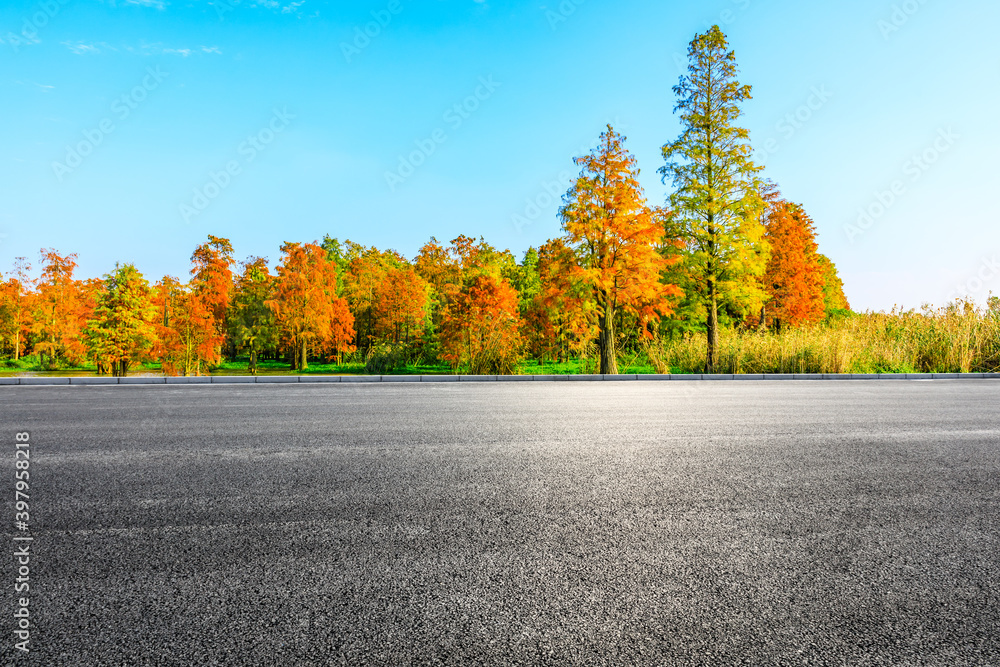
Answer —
134 128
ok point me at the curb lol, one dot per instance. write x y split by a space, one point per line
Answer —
401 379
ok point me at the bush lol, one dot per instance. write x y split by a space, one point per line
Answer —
492 362
387 358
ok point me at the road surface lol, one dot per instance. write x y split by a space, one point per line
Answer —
695 523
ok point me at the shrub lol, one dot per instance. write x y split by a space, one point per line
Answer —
387 358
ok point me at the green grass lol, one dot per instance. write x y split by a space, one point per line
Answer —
626 366
239 367
32 364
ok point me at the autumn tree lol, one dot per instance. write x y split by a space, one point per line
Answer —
614 236
15 306
188 341
163 296
400 305
367 270
251 321
212 282
307 310
558 317
122 330
717 200
59 314
438 266
794 278
449 270
481 327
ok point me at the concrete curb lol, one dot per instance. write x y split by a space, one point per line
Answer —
400 379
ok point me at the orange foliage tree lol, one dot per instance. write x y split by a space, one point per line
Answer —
307 310
15 307
558 320
435 264
59 311
367 269
187 339
450 272
794 278
212 283
615 238
481 327
400 305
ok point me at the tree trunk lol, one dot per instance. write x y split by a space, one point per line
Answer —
713 328
606 340
305 362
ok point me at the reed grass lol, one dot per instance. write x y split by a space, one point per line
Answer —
960 338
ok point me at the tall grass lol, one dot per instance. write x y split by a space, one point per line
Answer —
957 339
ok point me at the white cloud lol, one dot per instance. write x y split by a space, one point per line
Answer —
20 39
157 4
83 48
158 49
284 8
144 49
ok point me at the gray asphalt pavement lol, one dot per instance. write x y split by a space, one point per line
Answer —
702 523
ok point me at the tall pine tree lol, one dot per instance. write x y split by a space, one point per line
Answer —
717 203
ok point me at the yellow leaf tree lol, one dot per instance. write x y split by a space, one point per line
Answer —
615 238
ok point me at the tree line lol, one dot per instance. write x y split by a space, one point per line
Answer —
727 251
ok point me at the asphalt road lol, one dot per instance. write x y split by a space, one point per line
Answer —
671 523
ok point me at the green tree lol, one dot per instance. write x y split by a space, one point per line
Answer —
251 321
834 299
717 203
122 329
527 281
